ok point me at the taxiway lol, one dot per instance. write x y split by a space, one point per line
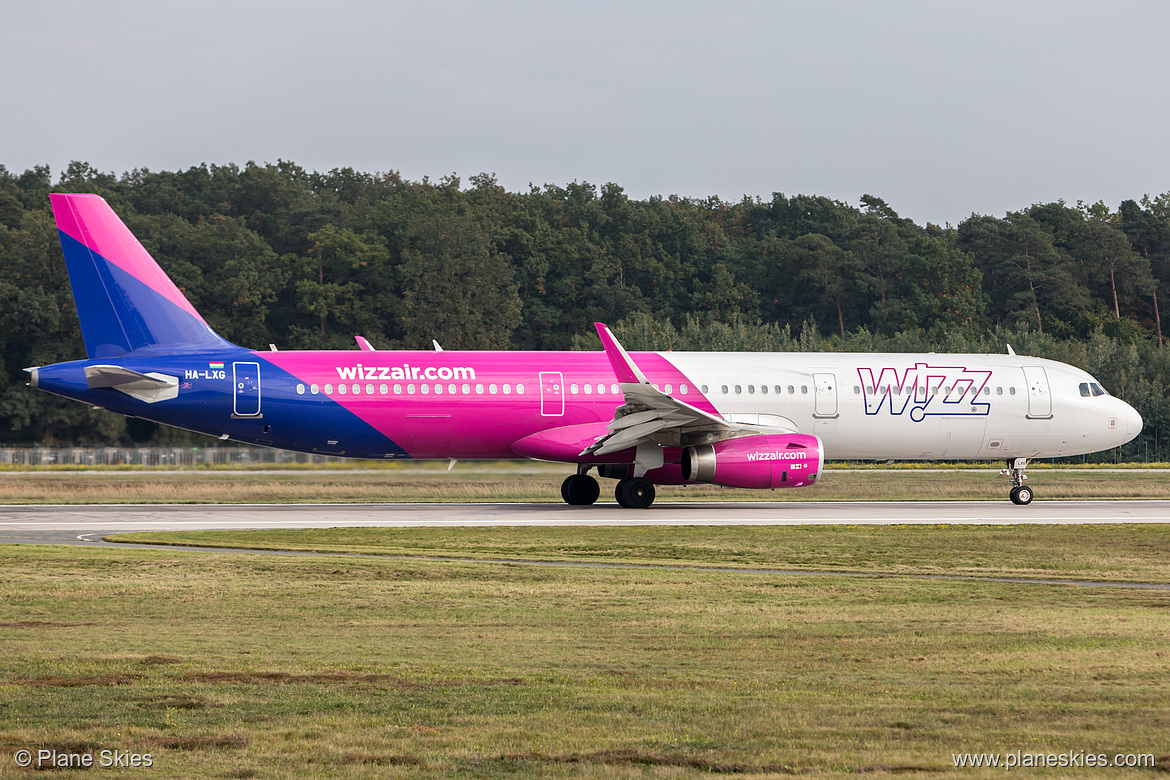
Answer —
87 524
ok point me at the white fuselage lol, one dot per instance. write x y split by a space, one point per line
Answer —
917 406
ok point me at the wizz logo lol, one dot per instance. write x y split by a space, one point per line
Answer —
924 390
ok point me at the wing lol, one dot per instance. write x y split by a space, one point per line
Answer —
651 416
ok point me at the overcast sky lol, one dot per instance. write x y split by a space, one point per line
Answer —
942 108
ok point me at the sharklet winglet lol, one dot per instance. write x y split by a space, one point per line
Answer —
623 365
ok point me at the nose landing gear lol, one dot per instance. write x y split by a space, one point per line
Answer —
1020 493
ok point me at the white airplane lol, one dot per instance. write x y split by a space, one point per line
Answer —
754 420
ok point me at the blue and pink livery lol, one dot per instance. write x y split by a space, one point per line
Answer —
643 418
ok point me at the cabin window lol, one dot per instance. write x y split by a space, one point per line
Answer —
613 389
987 391
704 389
313 389
682 389
764 389
666 390
573 389
791 389
492 389
467 389
438 389
725 389
738 389
341 389
1084 388
383 389
424 389
751 389
397 389
804 389
507 389
410 389
999 391
369 389
1012 390
588 389
479 389
301 389
452 389
856 390
519 389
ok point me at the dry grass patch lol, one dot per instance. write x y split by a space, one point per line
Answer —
425 484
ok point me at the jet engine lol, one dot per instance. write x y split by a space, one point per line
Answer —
762 461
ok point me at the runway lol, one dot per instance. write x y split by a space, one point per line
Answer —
72 524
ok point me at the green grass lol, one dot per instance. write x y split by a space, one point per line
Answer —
1135 552
531 482
280 666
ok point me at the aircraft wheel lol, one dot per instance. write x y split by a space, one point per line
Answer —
1021 494
583 490
634 493
580 490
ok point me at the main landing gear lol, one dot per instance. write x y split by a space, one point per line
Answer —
634 492
580 489
1020 493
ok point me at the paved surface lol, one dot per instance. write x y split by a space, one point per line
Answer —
87 524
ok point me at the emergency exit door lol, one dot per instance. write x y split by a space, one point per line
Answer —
825 399
552 393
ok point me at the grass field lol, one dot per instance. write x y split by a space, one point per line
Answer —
535 482
276 666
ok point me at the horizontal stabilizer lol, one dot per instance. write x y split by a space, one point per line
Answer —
150 387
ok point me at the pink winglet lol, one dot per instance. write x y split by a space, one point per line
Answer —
89 220
364 344
623 366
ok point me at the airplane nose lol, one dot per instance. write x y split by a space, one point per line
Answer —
1133 421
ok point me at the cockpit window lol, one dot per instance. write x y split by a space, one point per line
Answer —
1097 389
1084 388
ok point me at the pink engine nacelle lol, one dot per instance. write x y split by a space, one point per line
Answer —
765 461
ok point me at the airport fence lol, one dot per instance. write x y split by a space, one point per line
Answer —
154 456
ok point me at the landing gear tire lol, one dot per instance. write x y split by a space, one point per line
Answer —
634 493
580 490
1021 494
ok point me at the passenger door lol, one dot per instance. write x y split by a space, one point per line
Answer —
246 389
1039 396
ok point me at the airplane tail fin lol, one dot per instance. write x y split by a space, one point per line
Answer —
124 300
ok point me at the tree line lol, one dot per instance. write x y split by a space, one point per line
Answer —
305 260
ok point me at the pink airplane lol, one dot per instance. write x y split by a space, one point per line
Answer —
750 420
